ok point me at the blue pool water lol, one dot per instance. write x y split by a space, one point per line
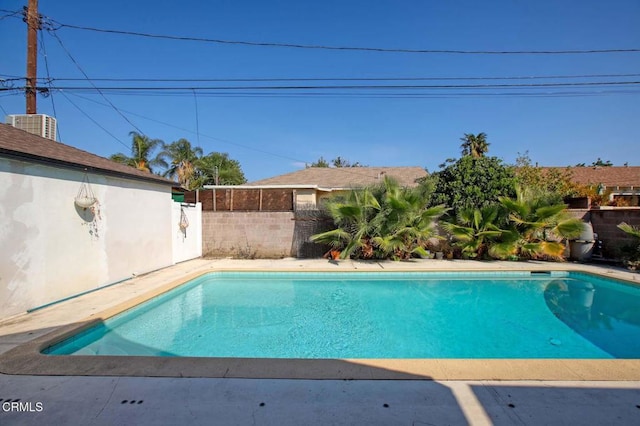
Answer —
377 315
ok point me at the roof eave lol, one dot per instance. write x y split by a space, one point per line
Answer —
23 156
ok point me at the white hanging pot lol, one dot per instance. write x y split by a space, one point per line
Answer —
85 202
85 197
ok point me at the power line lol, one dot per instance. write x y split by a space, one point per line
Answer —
89 80
352 87
192 132
351 169
302 95
455 93
94 121
10 13
55 25
379 95
185 80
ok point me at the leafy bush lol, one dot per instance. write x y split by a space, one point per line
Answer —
472 182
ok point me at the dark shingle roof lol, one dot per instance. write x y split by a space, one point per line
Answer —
608 176
20 145
345 177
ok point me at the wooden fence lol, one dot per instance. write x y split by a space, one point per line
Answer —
243 199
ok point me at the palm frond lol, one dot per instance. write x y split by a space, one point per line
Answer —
546 212
570 228
634 231
336 238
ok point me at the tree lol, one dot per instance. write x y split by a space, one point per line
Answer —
475 230
342 162
535 228
555 183
600 163
320 163
216 168
183 164
336 162
597 163
142 148
472 182
474 145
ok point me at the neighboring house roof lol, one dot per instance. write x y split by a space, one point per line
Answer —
20 145
345 177
611 176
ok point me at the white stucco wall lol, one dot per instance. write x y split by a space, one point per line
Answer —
50 249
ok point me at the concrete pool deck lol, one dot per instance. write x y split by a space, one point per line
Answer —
440 391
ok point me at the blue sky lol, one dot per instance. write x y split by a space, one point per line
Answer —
271 135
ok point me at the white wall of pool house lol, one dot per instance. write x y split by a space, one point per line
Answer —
51 249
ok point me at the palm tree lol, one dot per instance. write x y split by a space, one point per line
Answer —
474 145
381 222
353 217
142 148
536 228
476 230
183 162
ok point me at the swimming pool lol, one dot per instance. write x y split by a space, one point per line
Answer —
377 315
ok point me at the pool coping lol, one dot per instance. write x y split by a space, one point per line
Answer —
27 359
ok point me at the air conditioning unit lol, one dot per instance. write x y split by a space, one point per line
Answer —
38 124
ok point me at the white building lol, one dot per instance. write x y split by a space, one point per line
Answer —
51 247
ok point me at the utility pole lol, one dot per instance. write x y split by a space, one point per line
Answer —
32 19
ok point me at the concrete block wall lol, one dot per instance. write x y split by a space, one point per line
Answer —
605 223
247 234
271 234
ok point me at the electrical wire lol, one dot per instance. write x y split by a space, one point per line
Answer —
250 148
554 92
403 93
10 14
353 87
247 147
46 64
351 78
94 121
55 25
89 80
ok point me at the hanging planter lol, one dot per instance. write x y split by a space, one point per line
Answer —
85 197
85 202
184 221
